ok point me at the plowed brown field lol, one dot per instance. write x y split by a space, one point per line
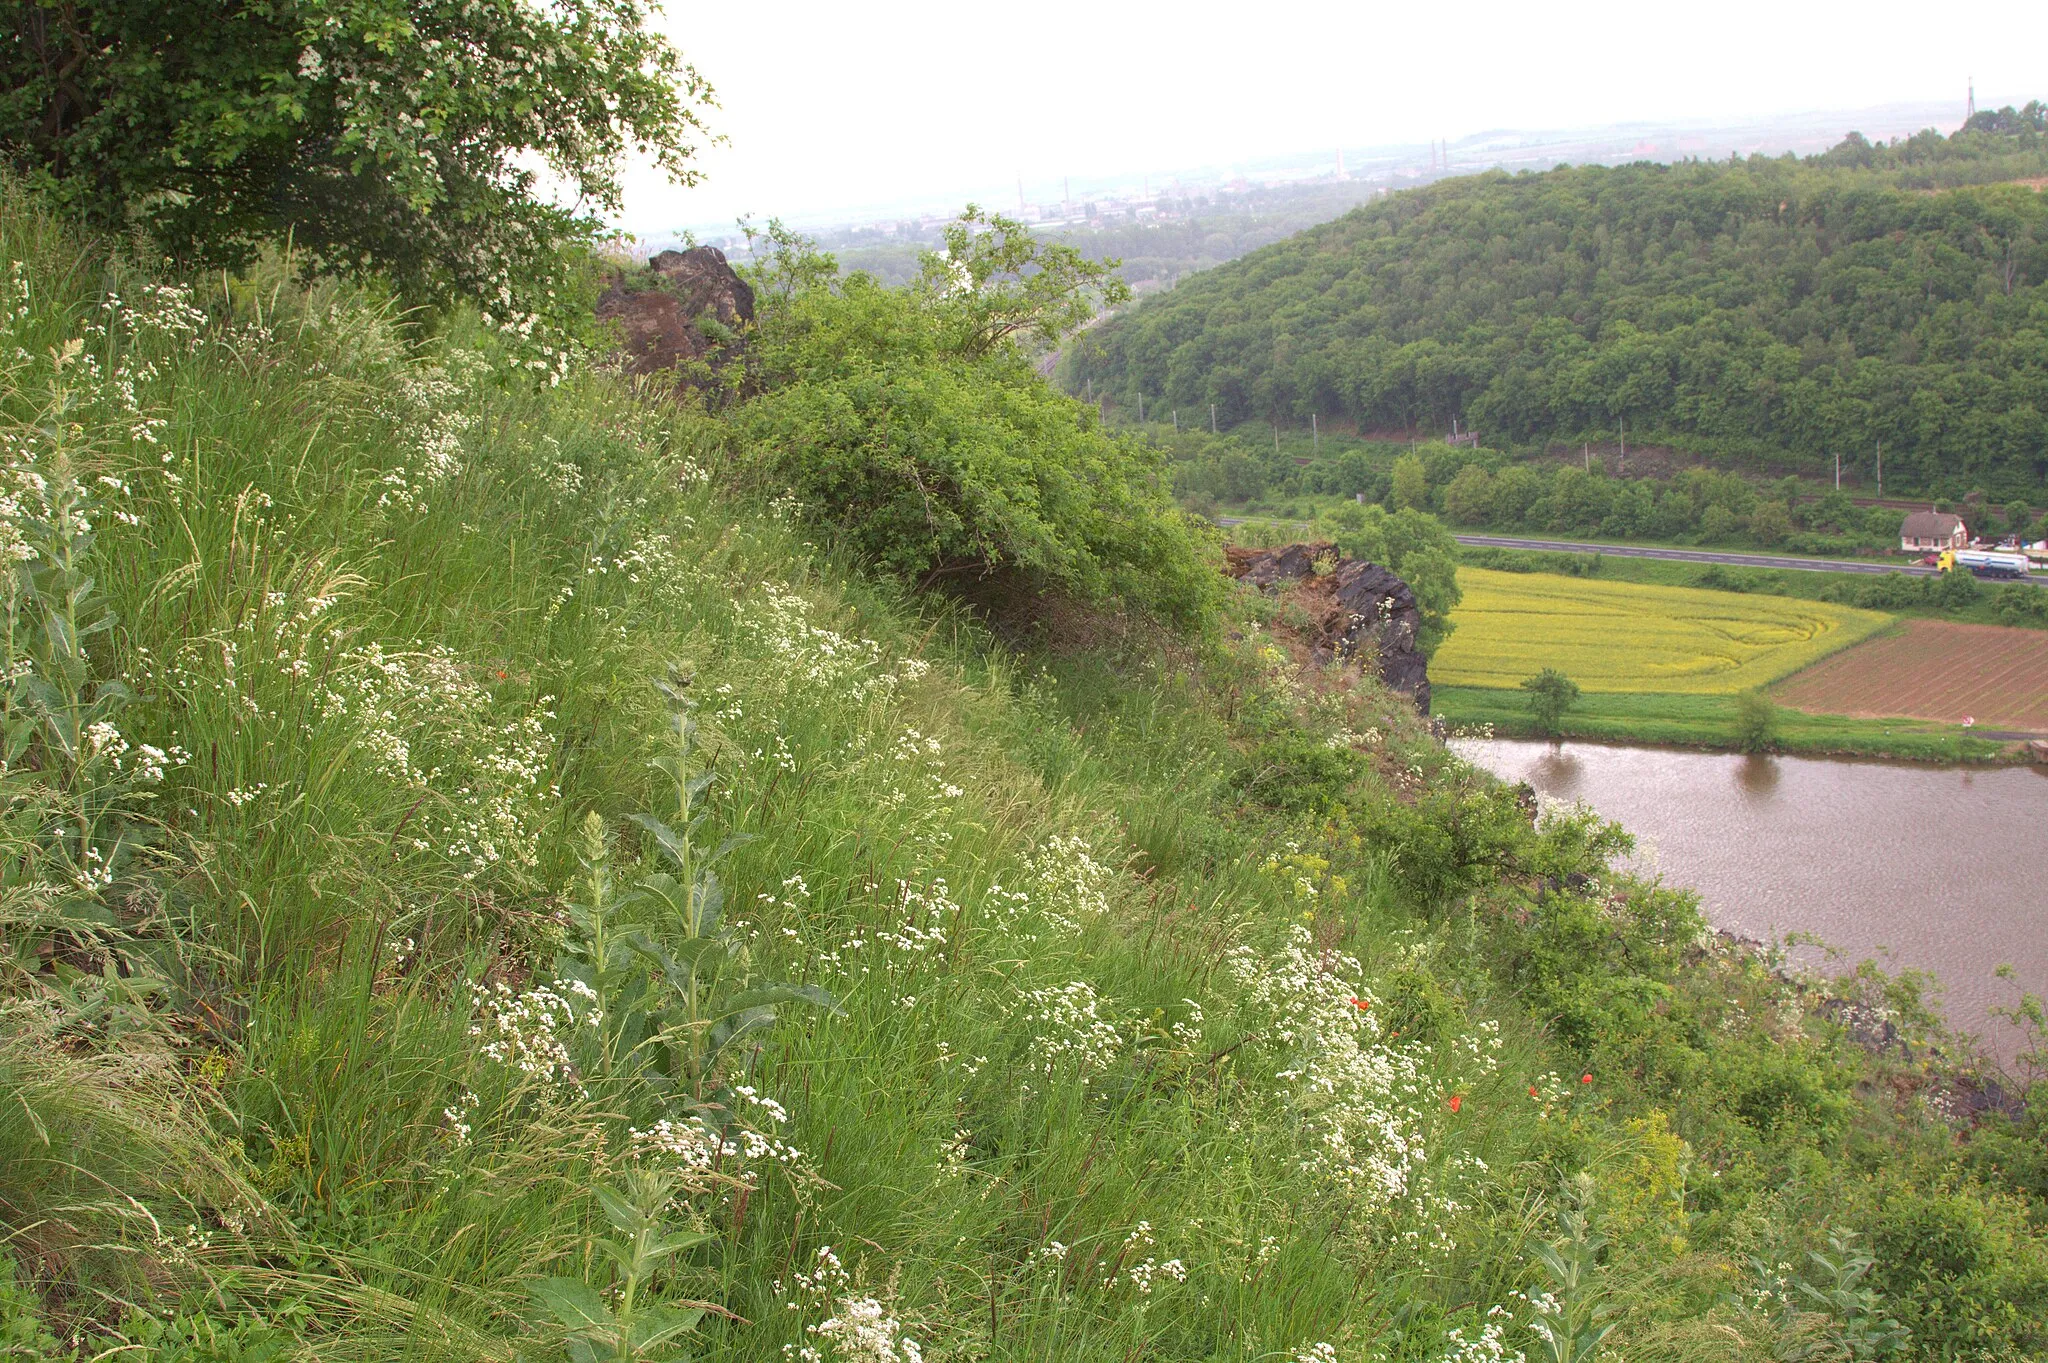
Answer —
1932 669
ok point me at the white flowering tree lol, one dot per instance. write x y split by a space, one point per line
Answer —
419 138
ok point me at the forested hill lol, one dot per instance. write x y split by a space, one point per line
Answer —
1775 311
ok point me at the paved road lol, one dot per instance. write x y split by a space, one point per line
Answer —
1811 565
1816 565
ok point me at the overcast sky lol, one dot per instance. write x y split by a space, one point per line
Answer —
829 108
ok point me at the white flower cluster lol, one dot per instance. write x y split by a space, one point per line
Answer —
164 315
804 657
1068 1029
690 1148
430 428
1488 1346
1148 1272
860 1329
1073 887
1361 1104
428 727
528 1031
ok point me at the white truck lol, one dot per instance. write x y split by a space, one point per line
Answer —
1985 562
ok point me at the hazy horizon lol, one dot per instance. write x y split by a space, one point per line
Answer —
837 113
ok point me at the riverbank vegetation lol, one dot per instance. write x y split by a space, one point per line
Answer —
497 866
1769 311
1717 722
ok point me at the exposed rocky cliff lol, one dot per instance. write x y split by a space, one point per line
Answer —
1360 610
688 306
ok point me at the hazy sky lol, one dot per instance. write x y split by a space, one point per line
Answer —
831 107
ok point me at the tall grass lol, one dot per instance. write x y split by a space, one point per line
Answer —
337 1024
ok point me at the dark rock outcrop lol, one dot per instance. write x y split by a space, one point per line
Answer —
1361 610
688 306
1271 567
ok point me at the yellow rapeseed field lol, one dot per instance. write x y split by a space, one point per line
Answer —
1632 636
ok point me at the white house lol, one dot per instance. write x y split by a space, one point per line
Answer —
1933 530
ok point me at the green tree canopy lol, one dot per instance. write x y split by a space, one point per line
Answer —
417 137
1768 310
1551 693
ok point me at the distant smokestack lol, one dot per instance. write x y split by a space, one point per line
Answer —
1020 194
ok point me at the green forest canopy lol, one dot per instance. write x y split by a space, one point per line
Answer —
1774 311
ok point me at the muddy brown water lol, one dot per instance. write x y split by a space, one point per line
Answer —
1941 869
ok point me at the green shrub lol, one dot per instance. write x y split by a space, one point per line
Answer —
1756 721
914 423
1298 772
1962 1271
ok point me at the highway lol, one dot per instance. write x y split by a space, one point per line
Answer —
1810 565
1807 565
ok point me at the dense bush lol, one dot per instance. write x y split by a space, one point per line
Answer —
913 421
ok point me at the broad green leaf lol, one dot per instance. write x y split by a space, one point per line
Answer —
573 1302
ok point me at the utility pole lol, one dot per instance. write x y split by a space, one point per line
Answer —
1091 389
1315 434
1141 409
1212 418
1880 468
1586 452
1176 421
1838 471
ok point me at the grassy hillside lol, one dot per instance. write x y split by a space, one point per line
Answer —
477 887
1779 311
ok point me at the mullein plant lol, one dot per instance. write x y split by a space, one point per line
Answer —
671 1011
72 783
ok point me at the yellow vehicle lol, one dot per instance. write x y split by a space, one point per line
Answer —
1984 563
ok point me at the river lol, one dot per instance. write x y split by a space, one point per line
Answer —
1942 869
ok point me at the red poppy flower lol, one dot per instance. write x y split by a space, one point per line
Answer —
1359 1003
1585 1079
1532 1090
1457 1101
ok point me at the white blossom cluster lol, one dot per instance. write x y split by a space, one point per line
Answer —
427 726
1488 1346
423 407
1073 887
692 1149
529 1030
1362 1104
859 1328
1069 1029
1148 1272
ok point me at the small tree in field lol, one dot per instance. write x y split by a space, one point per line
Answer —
1756 721
1551 693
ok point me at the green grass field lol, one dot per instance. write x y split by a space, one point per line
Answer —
1632 637
1709 722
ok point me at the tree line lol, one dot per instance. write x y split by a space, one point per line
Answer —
1770 311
